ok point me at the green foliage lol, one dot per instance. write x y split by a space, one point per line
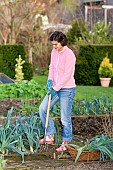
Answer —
28 71
40 79
9 137
22 90
22 134
81 33
8 55
75 33
92 106
32 93
100 33
83 91
101 105
29 106
88 63
29 132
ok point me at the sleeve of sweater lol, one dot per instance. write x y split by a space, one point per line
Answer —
50 75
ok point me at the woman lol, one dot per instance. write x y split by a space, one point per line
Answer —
62 87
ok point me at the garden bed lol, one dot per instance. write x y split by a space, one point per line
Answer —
85 125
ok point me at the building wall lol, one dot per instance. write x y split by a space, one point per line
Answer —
109 2
98 14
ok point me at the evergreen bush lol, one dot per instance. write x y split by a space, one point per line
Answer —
88 63
28 71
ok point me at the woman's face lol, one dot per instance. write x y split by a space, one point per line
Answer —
57 45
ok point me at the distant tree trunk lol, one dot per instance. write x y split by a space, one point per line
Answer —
30 55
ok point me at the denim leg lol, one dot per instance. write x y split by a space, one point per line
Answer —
42 113
66 96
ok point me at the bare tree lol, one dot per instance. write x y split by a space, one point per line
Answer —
13 16
17 16
18 24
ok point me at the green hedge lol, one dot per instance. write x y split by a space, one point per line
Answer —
8 55
88 62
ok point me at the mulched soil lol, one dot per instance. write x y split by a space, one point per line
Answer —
6 104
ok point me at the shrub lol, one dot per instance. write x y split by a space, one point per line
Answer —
75 32
106 68
18 69
28 71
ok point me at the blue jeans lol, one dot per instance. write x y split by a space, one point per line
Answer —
65 96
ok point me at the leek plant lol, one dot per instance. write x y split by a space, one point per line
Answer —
31 132
22 135
8 137
92 106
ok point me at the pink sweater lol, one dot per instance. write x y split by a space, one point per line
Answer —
61 69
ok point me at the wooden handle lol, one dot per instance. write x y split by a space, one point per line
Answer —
48 109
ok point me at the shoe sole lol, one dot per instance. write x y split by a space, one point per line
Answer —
61 150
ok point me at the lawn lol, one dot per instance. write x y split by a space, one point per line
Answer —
40 79
84 92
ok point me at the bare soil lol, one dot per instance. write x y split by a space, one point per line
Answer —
6 104
45 163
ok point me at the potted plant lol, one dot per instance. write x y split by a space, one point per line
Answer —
105 71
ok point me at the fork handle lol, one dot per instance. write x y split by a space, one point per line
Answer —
48 109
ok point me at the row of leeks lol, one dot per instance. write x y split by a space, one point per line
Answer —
21 135
92 106
95 106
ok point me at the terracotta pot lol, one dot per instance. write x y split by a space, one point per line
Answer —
105 82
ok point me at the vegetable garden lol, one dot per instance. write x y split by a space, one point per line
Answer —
22 133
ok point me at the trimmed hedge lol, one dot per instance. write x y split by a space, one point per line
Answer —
88 62
8 55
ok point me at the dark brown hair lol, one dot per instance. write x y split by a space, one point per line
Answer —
59 37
